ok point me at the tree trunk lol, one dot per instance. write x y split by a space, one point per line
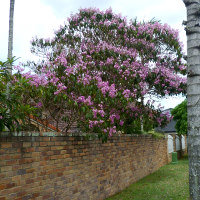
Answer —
10 37
193 94
141 118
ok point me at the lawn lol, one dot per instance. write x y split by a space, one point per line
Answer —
168 183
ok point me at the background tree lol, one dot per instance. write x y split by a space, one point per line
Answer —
193 94
180 116
109 69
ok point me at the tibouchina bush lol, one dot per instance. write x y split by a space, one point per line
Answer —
105 71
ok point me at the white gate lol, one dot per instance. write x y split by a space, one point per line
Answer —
170 144
183 141
178 146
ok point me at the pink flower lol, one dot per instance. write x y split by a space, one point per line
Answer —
121 123
126 93
94 113
112 130
81 99
112 118
88 101
39 105
93 17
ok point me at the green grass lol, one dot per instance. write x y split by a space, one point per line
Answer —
170 182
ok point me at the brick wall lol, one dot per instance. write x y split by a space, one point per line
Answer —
69 168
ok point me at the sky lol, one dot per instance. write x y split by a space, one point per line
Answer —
42 17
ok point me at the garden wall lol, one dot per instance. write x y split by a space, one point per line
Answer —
69 168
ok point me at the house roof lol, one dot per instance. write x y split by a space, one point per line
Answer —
170 127
50 124
43 123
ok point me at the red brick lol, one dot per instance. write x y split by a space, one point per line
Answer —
45 139
2 186
12 162
16 156
6 145
26 144
21 194
30 149
34 195
10 185
42 144
30 170
46 196
28 181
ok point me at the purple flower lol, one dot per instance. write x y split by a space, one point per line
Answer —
39 105
121 123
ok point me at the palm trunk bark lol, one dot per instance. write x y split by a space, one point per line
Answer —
10 37
193 94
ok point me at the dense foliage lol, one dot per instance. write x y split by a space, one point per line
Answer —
13 113
180 116
102 71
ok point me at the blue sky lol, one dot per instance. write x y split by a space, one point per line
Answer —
41 17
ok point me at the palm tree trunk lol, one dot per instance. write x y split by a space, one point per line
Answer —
193 94
10 37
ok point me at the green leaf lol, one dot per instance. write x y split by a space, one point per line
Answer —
83 109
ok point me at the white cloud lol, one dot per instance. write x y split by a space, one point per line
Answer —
32 18
171 102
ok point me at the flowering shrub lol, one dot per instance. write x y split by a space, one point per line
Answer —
106 70
13 112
